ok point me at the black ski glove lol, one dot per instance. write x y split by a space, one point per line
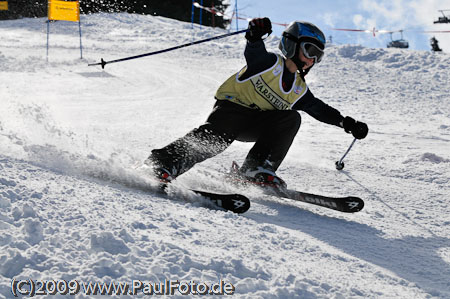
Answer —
358 129
257 27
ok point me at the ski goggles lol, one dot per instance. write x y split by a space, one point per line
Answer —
311 50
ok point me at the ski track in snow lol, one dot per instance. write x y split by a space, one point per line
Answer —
73 207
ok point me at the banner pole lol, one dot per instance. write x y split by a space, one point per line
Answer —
192 15
48 33
81 46
201 11
237 16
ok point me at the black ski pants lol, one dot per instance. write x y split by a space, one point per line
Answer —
272 131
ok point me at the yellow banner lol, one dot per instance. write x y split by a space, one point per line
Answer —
3 5
64 10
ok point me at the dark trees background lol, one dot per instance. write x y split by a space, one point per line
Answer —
175 9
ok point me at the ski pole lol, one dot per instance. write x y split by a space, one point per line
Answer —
103 63
340 164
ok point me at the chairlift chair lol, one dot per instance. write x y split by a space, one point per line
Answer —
399 43
444 18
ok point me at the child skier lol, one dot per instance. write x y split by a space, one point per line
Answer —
258 104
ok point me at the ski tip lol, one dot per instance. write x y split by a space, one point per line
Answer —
236 203
242 203
353 204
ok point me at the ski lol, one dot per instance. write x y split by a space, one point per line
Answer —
233 202
236 203
349 204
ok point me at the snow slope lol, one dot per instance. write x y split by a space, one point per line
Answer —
68 130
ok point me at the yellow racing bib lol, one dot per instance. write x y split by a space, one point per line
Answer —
262 91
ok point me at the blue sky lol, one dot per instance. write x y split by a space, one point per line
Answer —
409 15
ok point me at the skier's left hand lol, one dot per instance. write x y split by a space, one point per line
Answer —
358 129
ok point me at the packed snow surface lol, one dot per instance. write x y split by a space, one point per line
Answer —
71 200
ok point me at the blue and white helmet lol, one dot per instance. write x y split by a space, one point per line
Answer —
298 32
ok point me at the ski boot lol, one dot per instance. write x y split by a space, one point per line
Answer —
162 174
263 176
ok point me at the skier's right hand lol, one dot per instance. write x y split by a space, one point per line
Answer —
358 129
257 27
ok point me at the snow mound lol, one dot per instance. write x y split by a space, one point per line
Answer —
430 157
